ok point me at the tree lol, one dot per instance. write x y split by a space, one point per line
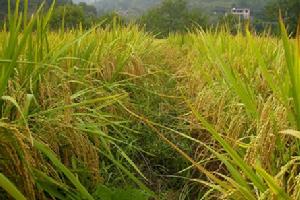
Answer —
32 6
252 4
290 10
90 14
89 10
69 16
172 16
3 10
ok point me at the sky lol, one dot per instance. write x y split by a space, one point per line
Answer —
87 1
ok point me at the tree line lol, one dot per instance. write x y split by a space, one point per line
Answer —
167 17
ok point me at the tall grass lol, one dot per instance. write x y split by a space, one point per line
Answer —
241 62
57 91
85 112
293 65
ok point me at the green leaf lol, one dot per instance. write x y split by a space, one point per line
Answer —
73 179
10 188
231 152
274 187
104 193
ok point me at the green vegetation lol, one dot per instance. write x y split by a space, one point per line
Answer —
71 16
171 17
113 113
162 17
289 9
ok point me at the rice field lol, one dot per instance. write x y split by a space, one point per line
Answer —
115 114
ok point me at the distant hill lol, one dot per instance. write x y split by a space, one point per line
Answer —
130 7
85 1
139 6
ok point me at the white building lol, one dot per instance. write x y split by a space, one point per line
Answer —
241 12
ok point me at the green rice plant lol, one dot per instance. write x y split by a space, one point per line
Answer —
292 52
233 79
81 189
10 188
120 194
255 178
245 182
253 68
107 141
73 90
54 77
54 188
17 43
14 46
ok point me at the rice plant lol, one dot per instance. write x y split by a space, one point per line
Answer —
114 113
